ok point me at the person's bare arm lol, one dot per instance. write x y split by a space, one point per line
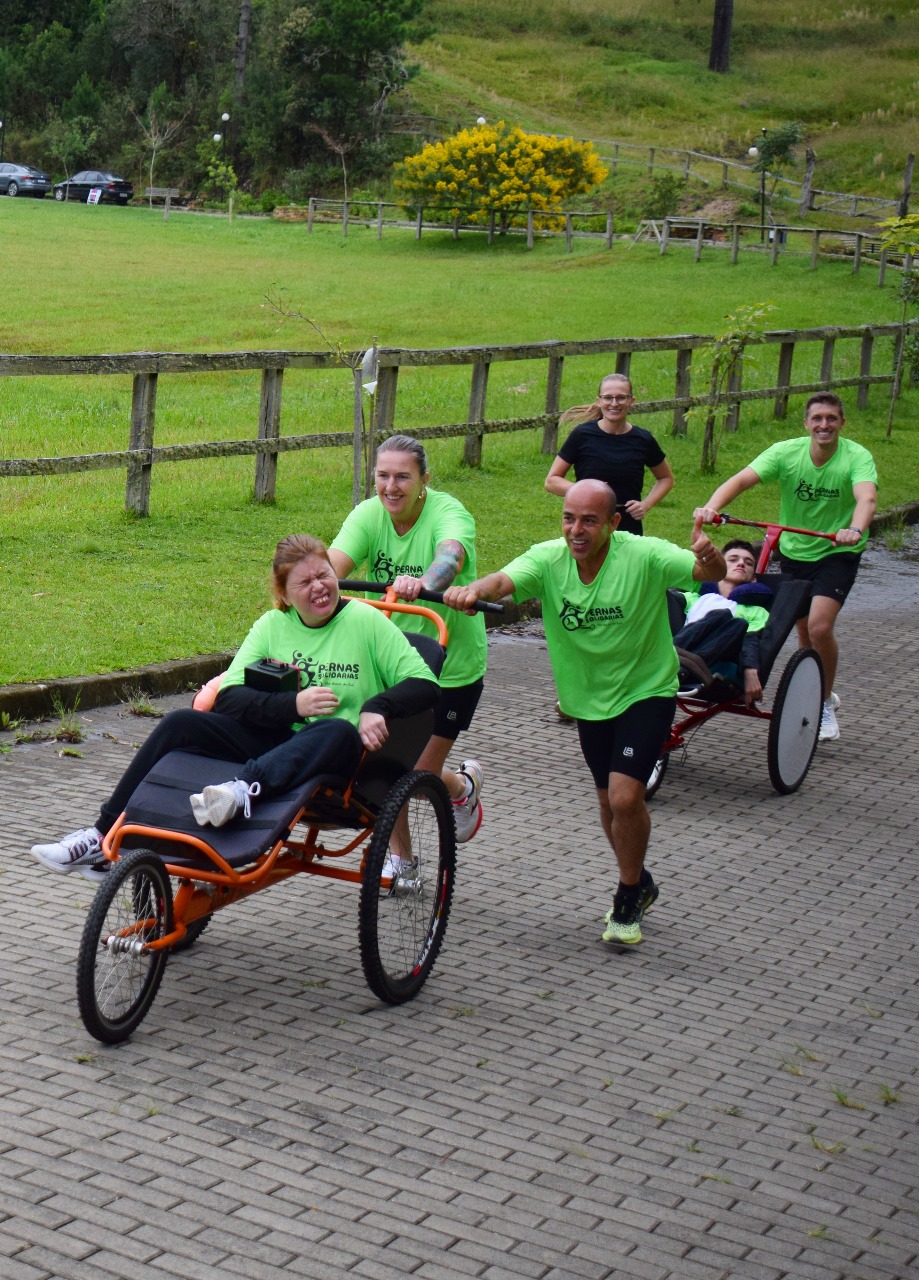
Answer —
709 566
866 501
341 564
663 483
449 558
493 587
555 480
726 493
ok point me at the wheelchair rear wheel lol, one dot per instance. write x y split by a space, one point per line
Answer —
402 920
657 776
795 721
117 979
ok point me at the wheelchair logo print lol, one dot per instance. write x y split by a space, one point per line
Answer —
383 567
807 492
308 668
571 615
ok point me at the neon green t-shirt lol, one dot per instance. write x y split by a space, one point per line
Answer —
610 643
368 537
814 497
357 654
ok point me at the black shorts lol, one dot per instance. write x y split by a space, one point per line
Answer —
630 743
455 708
831 576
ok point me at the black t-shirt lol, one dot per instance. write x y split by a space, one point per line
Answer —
619 460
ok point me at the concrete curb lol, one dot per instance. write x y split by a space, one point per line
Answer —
36 701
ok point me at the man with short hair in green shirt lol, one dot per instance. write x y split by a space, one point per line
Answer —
615 667
829 484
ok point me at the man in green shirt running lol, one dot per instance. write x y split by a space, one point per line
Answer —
615 667
829 484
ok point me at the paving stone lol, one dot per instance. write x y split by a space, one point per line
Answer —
546 1108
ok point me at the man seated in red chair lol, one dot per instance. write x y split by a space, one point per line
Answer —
724 621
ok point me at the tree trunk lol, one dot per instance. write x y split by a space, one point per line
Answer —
242 50
720 52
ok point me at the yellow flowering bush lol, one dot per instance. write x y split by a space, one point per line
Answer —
496 167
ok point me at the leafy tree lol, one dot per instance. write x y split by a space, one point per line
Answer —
499 167
85 100
724 356
776 152
159 125
343 60
70 141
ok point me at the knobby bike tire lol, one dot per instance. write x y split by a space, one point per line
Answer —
401 925
116 984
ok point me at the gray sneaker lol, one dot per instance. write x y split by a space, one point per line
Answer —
829 726
219 804
73 853
468 813
402 873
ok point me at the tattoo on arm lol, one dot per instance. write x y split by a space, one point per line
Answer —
447 562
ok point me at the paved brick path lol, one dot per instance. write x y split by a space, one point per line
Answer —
736 1098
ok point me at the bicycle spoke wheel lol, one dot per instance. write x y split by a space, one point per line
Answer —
402 919
795 721
117 978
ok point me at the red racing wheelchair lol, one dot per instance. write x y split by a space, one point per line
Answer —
794 717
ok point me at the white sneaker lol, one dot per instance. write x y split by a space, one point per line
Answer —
217 805
467 813
833 700
73 853
829 729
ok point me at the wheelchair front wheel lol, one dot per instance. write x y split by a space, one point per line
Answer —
795 721
402 920
117 978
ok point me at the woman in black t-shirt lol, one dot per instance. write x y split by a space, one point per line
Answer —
608 447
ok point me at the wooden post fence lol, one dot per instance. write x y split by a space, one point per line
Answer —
143 414
269 428
276 367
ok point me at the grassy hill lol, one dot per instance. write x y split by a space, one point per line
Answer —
636 70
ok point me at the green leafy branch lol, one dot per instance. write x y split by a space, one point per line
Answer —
724 357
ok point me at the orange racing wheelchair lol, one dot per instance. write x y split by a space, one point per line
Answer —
168 877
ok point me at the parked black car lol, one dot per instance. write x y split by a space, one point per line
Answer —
23 180
114 190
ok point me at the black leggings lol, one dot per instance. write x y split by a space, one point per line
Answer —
277 759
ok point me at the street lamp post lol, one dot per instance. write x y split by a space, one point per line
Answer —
225 118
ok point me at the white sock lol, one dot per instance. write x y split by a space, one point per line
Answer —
467 789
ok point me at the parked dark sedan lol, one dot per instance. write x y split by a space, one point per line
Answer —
112 189
23 180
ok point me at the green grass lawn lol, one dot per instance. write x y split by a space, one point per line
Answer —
89 589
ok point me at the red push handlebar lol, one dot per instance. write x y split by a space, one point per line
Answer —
773 532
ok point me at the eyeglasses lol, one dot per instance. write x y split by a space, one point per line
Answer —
615 399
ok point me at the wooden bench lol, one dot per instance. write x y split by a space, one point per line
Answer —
163 193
